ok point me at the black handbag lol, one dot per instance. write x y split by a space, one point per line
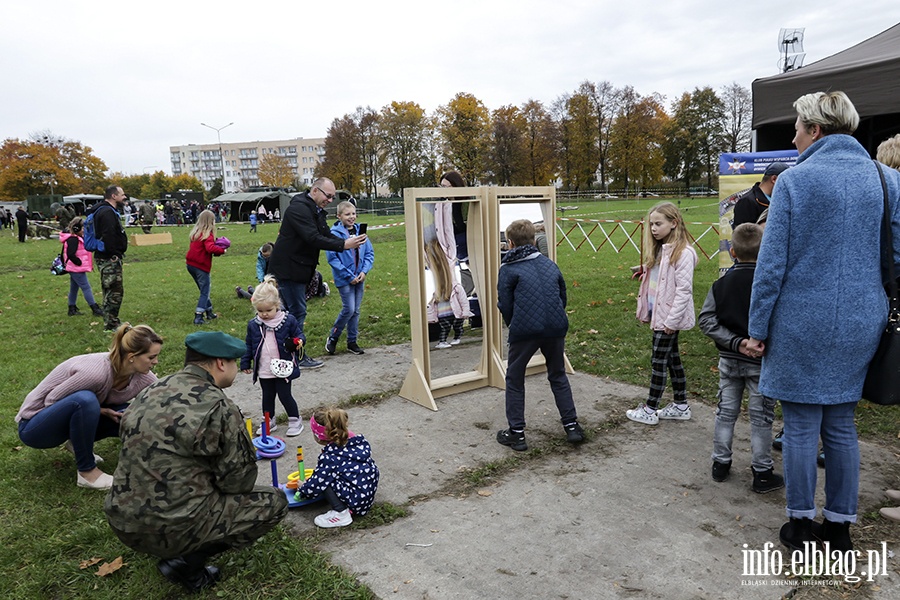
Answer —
882 385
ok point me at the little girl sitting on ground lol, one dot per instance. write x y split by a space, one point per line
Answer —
345 472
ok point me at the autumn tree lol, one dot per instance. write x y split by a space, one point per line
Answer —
507 156
738 117
604 102
636 140
366 120
583 144
565 152
343 162
275 171
696 136
47 162
540 144
464 125
402 130
158 184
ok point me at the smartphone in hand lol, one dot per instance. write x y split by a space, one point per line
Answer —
362 228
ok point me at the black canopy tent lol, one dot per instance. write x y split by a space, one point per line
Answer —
243 203
867 73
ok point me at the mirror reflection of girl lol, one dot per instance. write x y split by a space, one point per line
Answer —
345 472
666 302
446 307
349 269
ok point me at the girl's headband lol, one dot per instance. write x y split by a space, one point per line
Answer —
318 431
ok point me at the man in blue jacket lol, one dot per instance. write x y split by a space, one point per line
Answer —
303 233
531 296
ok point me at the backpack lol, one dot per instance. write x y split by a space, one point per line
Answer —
91 242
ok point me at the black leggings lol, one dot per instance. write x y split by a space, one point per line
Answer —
282 389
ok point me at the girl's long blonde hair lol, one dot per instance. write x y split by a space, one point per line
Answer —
440 267
205 226
678 237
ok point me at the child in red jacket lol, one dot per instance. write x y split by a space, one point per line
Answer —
199 262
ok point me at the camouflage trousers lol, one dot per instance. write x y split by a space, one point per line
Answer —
113 289
237 521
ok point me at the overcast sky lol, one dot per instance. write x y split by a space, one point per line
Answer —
130 79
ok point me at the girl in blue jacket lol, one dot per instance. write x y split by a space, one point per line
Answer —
273 338
345 472
349 269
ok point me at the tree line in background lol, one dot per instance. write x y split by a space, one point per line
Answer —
46 164
597 137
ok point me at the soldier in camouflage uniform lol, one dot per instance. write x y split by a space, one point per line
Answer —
108 228
147 213
184 489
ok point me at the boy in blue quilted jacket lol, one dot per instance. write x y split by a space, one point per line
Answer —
531 295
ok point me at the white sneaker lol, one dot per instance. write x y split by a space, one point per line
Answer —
643 414
104 482
334 518
295 426
455 341
442 345
272 429
673 413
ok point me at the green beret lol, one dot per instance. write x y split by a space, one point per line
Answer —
215 344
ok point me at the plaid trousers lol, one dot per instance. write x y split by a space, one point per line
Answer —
666 358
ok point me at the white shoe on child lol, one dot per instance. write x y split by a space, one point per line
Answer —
442 345
673 413
455 341
295 426
643 414
272 429
334 518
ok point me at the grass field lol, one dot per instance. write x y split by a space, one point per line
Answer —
50 526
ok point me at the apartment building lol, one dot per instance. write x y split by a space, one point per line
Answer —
240 161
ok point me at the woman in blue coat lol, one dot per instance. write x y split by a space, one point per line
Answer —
818 309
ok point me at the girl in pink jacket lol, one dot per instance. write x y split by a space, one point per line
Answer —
666 302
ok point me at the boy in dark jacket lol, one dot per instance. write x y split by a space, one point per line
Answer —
724 318
531 295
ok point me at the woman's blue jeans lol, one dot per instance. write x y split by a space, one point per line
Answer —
80 281
75 417
201 278
803 425
351 299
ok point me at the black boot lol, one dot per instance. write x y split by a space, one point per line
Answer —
210 315
837 534
192 577
73 311
198 319
98 312
795 532
767 481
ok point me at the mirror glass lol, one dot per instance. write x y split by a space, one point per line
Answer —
455 333
509 212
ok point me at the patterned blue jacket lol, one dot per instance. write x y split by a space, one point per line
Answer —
348 470
531 295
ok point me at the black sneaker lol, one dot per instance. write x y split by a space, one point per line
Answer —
330 345
309 363
515 440
767 481
574 433
720 471
777 440
354 348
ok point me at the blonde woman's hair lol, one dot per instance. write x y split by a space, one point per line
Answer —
678 237
130 340
266 292
889 152
204 227
832 112
335 421
344 205
437 261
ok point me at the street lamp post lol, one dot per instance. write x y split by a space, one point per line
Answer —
218 131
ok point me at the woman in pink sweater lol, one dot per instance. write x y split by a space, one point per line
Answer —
82 399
